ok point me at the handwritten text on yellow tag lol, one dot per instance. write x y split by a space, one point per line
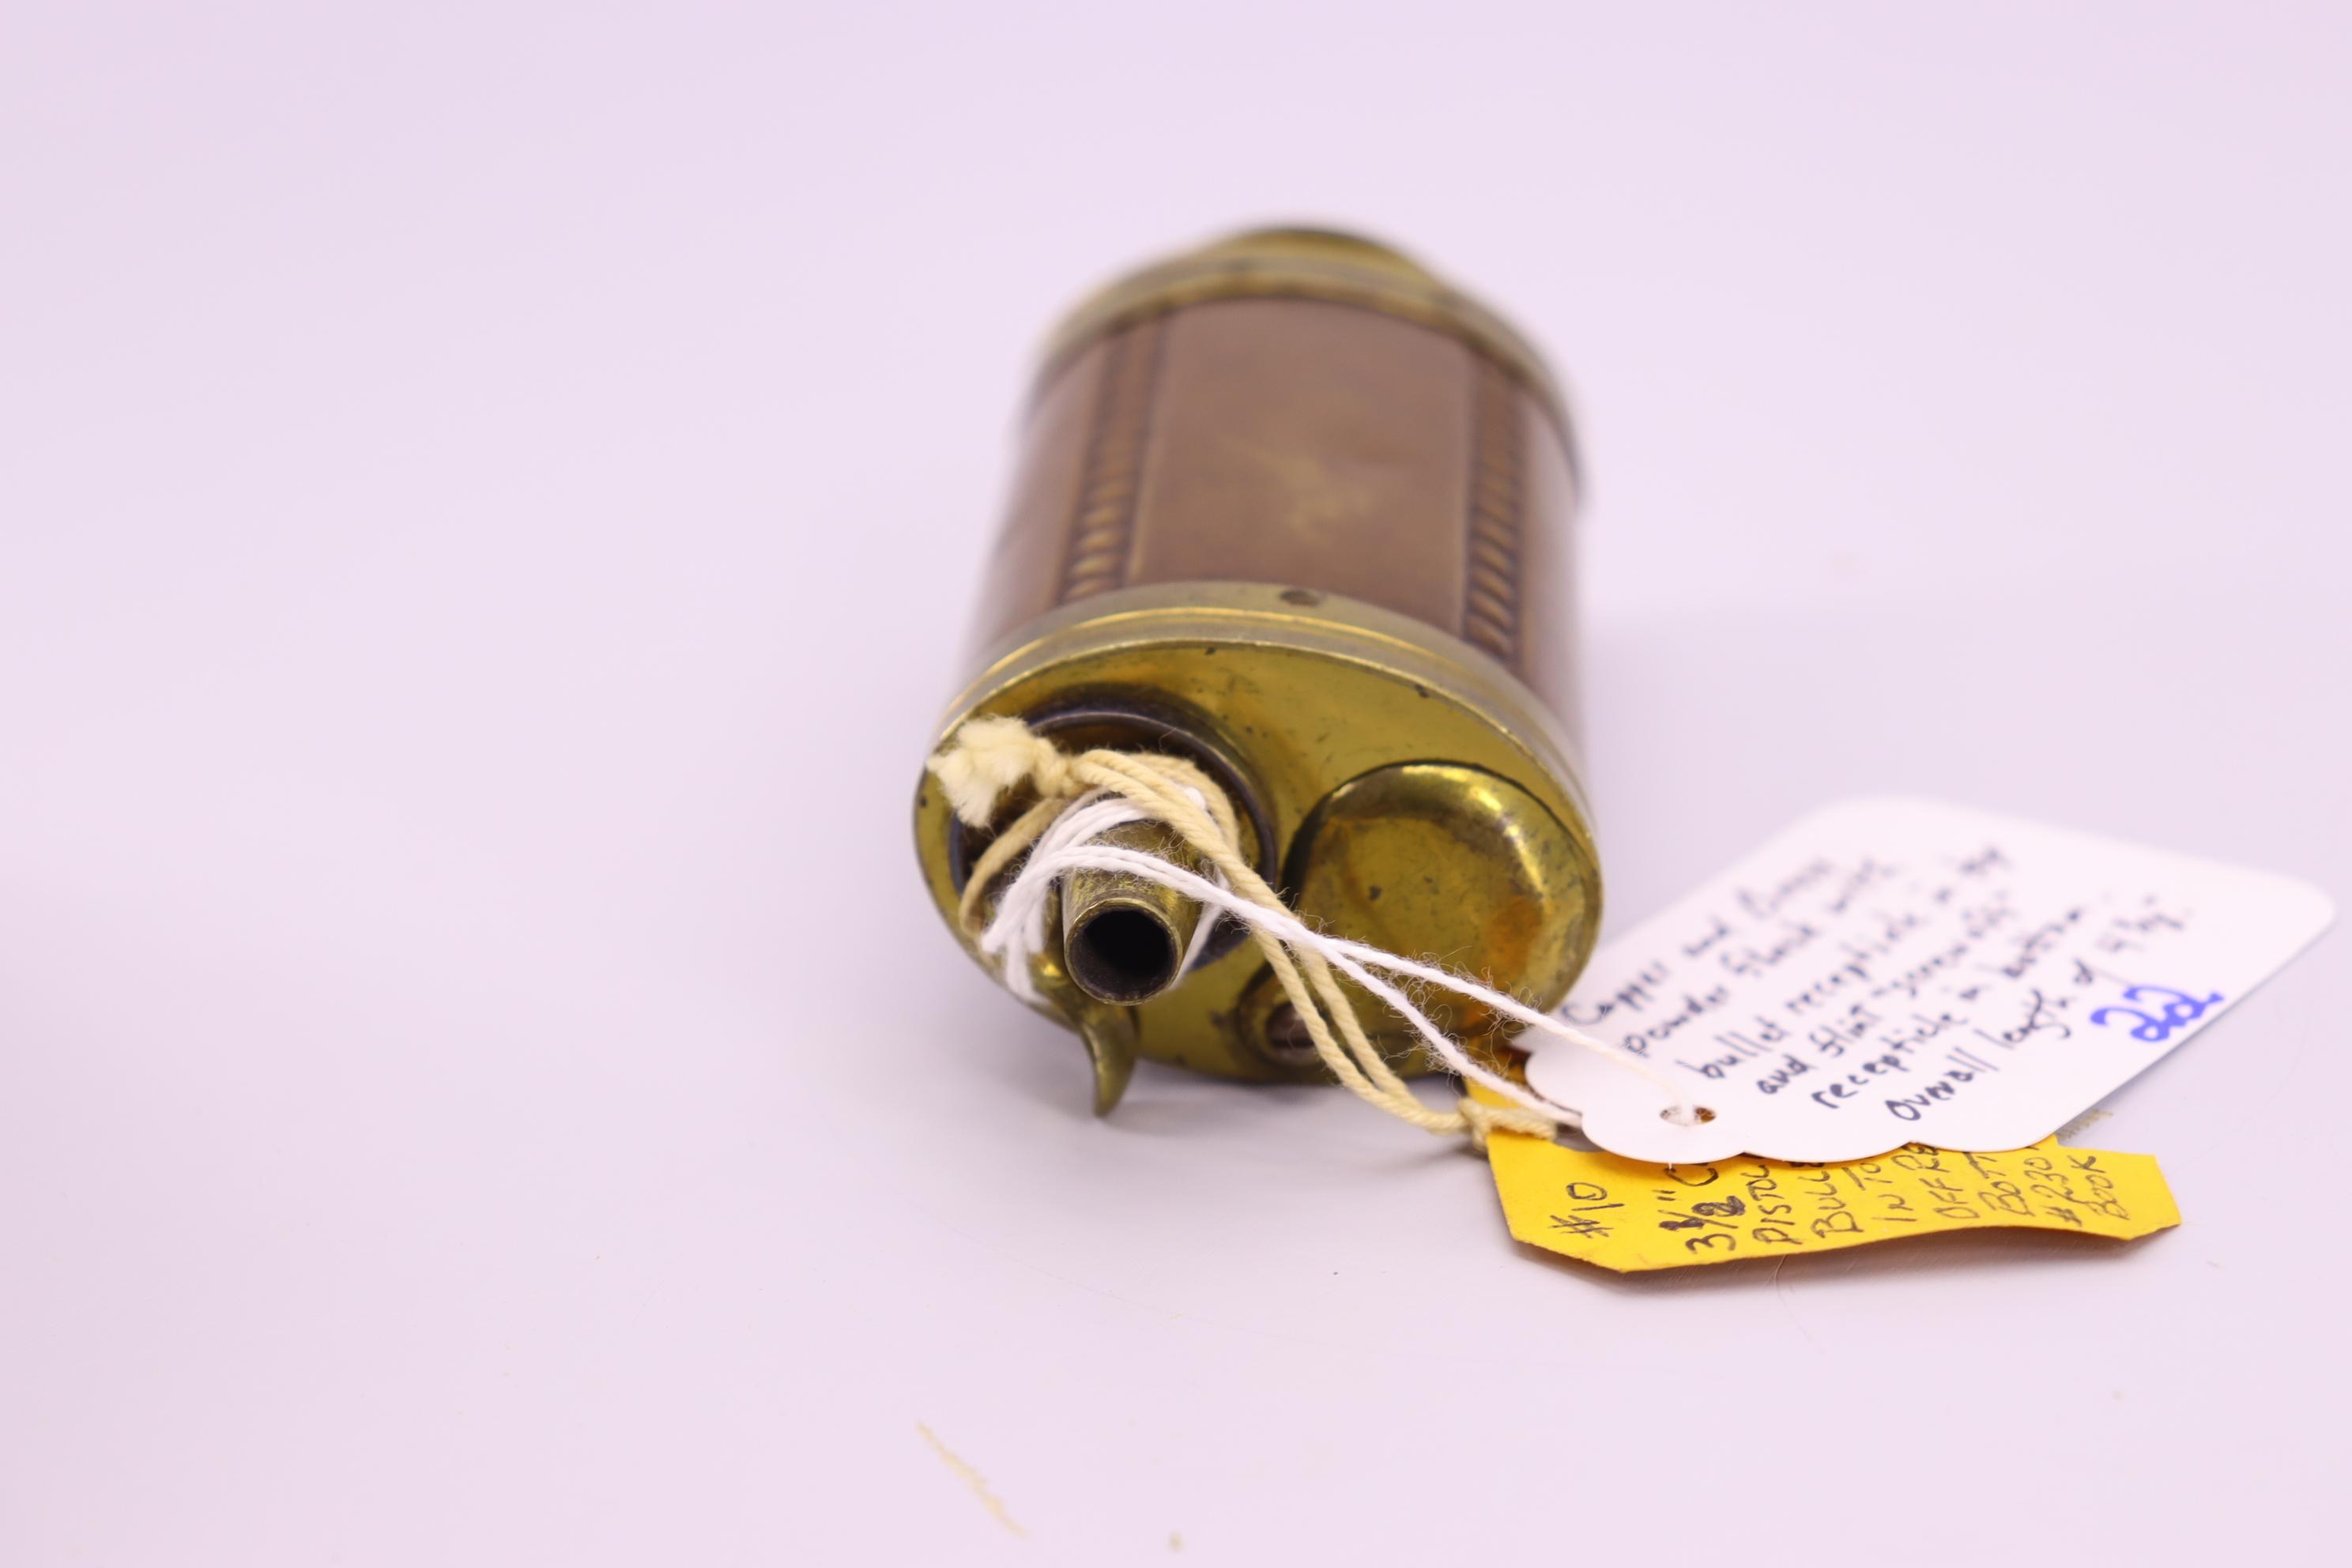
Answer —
1629 1215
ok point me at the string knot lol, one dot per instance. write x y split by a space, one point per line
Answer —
991 757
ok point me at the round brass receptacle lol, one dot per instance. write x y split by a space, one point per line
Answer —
1452 865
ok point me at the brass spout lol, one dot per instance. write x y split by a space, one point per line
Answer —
1124 938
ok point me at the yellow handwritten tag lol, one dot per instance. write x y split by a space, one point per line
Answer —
1630 1215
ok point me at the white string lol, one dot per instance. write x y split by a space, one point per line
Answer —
1017 933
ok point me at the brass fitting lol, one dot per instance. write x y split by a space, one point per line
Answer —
1124 937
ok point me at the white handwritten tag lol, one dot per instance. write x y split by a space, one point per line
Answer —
1893 971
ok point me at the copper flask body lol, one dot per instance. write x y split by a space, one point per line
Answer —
1294 508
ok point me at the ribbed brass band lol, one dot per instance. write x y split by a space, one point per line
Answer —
1182 614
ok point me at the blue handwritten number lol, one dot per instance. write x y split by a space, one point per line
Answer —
2157 1027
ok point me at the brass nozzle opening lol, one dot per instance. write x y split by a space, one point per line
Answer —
1124 938
1123 954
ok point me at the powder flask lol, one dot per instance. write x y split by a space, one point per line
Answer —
1294 508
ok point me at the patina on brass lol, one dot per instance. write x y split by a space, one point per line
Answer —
1291 508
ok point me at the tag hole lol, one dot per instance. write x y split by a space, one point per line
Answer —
1698 1116
1301 597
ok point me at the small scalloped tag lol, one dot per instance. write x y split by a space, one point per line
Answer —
1891 972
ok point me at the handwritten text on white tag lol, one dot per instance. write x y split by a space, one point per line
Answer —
1890 972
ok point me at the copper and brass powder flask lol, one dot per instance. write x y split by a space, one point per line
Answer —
1293 509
